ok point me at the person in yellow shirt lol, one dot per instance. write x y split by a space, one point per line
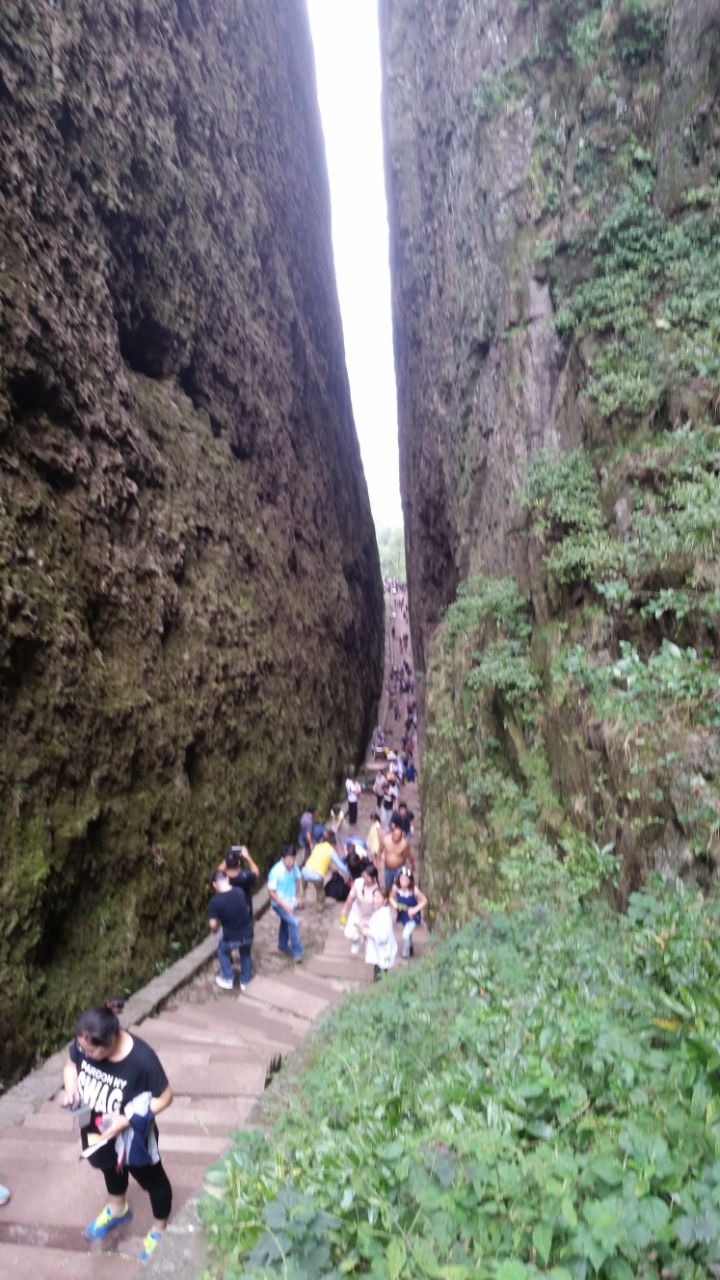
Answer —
318 864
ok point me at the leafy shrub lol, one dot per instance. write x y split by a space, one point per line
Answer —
498 92
671 682
563 492
537 1098
562 488
498 599
652 301
505 667
642 29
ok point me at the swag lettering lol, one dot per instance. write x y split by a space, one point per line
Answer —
99 1089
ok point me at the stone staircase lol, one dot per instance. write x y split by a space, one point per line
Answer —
219 1050
219 1056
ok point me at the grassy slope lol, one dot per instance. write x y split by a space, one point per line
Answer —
536 1098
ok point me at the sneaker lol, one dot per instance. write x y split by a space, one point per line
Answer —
225 983
355 949
4 1194
106 1221
150 1244
297 959
284 951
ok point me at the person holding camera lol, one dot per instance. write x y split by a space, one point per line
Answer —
229 912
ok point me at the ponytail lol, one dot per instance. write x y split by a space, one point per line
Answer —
101 1024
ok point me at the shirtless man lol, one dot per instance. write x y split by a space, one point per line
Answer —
395 852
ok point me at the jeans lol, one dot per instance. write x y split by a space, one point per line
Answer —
314 877
289 932
224 951
408 931
391 875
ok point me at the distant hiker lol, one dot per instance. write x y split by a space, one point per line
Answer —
379 785
335 823
120 1083
374 838
405 818
244 878
354 791
318 865
380 944
305 834
360 906
286 894
390 798
228 910
396 852
409 902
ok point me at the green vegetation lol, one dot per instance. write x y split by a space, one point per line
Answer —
672 682
576 34
673 492
564 494
498 599
653 300
538 1098
391 546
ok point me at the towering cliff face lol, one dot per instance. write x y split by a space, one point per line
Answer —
553 179
189 585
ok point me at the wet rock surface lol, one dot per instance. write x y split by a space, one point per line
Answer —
190 598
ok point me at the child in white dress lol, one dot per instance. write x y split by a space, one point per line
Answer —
360 906
380 944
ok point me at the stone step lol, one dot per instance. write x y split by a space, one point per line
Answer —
213 1080
186 1105
234 1038
52 1196
54 1123
351 972
278 994
189 1133
337 948
178 1053
246 1014
310 984
28 1262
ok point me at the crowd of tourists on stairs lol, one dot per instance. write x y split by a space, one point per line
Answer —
113 1081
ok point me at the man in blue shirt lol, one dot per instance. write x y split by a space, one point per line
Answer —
285 888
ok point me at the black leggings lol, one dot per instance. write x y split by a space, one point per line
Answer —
152 1178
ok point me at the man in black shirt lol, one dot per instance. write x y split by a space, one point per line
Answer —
228 909
244 878
404 819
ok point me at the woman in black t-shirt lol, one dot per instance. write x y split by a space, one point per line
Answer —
120 1083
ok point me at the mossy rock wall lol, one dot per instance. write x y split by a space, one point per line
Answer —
555 226
190 595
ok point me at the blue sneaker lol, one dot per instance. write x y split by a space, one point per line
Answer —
150 1244
105 1222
